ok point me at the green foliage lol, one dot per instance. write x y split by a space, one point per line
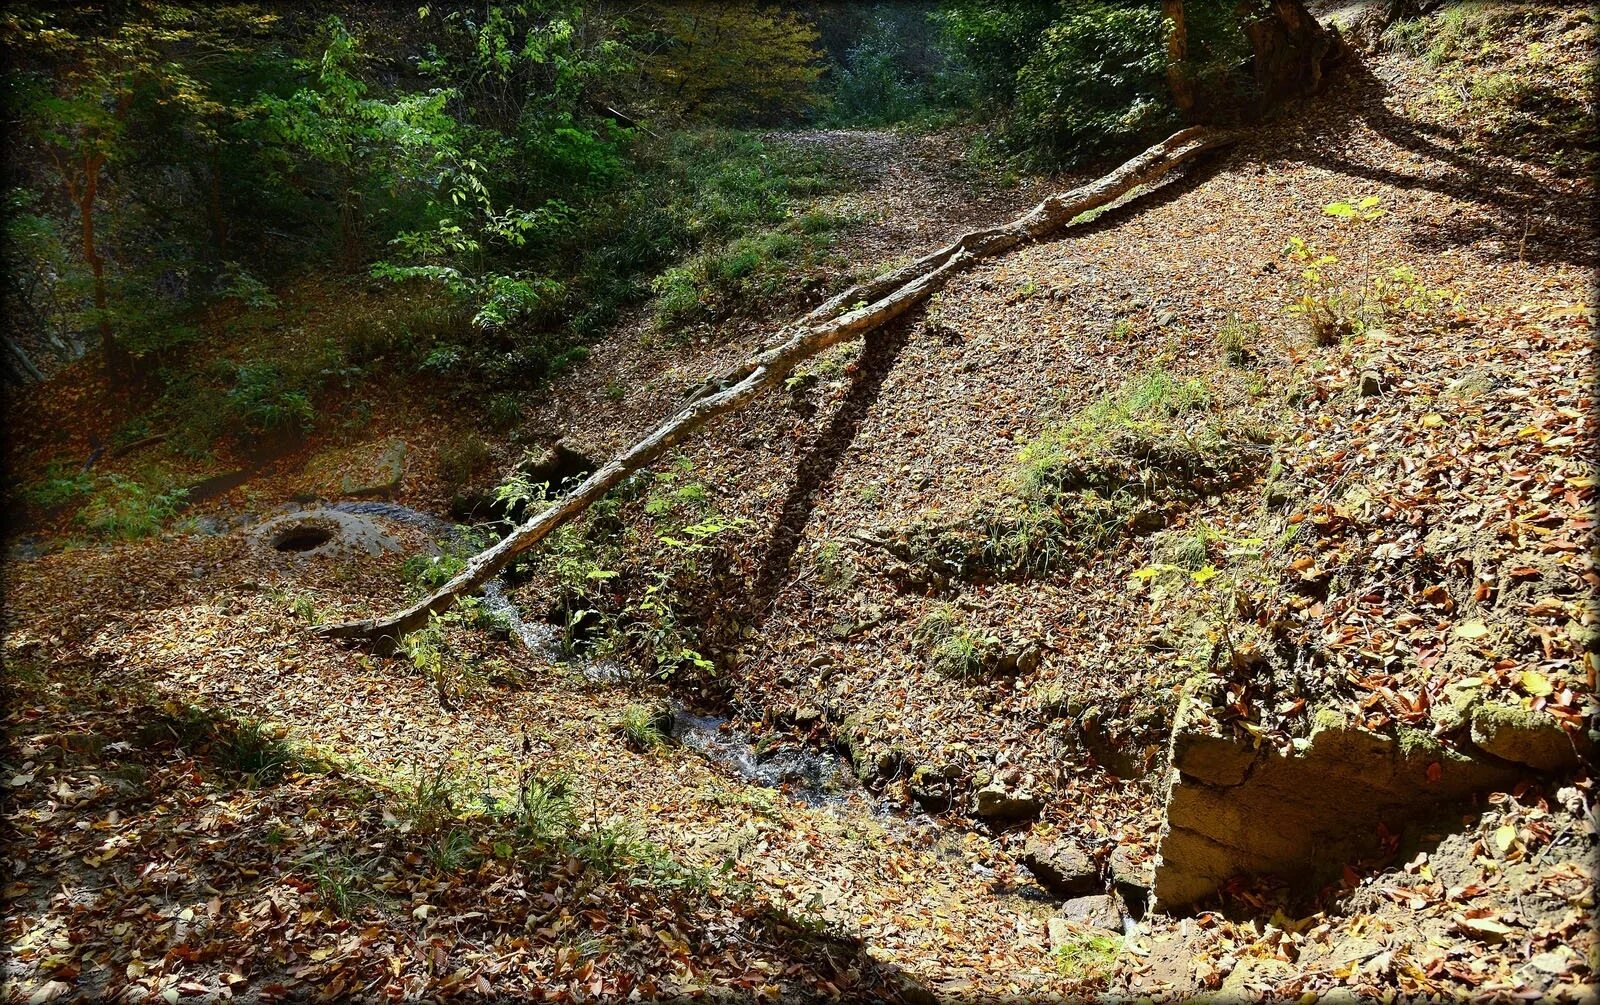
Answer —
639 727
733 60
1508 73
1096 79
362 145
953 648
265 398
992 40
59 486
543 811
342 882
1144 405
431 801
1088 957
871 85
657 623
429 572
242 747
1335 306
1080 78
1237 340
124 509
575 565
434 656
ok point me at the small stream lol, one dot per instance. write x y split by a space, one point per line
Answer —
814 777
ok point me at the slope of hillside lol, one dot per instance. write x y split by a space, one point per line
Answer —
1296 445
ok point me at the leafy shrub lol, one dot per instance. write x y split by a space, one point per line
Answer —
429 572
503 410
265 399
124 509
1096 79
870 87
59 486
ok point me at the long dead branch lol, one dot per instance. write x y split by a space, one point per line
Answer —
857 311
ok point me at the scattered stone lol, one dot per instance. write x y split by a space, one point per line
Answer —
1020 658
1131 874
364 470
557 466
933 788
1061 867
1100 910
997 802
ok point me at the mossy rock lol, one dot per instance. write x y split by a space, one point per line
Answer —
1523 736
366 470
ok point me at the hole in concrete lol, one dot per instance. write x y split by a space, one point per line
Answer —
302 538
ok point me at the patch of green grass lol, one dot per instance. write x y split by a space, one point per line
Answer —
1237 340
241 747
59 486
543 810
639 726
744 271
124 509
343 883
1143 409
953 648
1087 957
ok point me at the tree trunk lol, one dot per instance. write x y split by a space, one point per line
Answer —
857 311
1291 48
219 219
117 360
1178 79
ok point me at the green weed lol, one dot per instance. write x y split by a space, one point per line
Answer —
1087 957
639 725
952 647
125 510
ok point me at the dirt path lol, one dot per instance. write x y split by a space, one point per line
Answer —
916 190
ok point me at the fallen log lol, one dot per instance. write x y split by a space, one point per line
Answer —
855 312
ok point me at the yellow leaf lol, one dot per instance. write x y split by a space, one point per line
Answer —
1433 420
1472 630
1504 837
1536 683
1486 926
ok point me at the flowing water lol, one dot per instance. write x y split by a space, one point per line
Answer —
812 776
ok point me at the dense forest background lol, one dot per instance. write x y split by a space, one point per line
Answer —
529 170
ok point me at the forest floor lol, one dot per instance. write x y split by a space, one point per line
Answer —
208 803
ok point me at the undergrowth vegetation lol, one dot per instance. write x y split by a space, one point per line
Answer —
1512 72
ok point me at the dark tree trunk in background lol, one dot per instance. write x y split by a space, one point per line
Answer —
1179 82
117 359
1292 50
